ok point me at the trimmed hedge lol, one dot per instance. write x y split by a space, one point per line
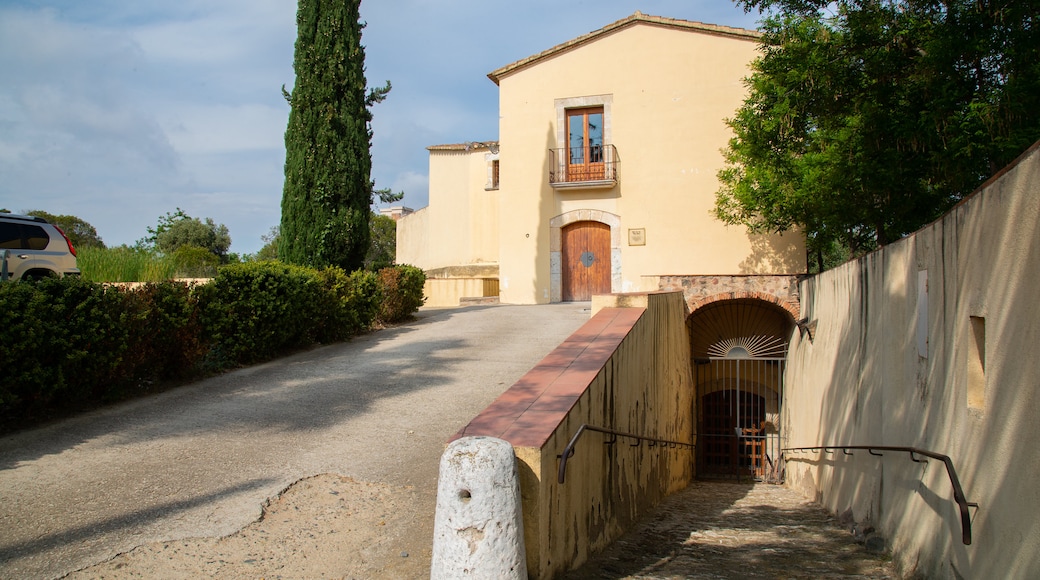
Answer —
62 340
402 289
68 342
350 303
251 312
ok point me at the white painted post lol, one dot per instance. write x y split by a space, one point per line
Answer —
478 531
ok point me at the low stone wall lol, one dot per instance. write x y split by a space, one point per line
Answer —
627 369
450 291
446 287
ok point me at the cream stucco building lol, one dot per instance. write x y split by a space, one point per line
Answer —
604 176
602 183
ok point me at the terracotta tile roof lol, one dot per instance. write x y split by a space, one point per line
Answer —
468 146
636 18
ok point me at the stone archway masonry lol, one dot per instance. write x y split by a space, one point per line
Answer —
781 289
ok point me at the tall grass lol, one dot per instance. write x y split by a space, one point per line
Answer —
124 264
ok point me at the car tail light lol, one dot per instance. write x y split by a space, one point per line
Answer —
67 240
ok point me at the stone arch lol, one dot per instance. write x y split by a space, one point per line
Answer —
721 322
738 350
792 308
556 225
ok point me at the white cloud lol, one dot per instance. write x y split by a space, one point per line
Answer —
416 188
39 45
120 111
214 34
196 128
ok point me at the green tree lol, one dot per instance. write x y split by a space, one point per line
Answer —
79 231
165 223
328 191
179 229
193 261
383 249
270 249
194 232
866 119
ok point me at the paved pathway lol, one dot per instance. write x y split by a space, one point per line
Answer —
200 461
717 530
175 474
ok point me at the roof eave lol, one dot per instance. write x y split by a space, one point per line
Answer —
636 18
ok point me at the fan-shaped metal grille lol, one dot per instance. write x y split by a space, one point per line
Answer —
743 328
761 346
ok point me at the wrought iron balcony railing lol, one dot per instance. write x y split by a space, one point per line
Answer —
583 167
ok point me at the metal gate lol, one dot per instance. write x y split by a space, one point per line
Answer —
738 410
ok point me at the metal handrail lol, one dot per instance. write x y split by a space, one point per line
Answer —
958 494
568 451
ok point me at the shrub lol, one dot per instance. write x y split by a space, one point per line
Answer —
401 288
364 298
253 311
167 330
349 303
70 341
63 342
195 262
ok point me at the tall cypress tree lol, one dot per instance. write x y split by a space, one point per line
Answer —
328 191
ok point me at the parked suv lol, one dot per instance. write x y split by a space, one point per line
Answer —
34 248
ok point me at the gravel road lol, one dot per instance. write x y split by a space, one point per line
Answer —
322 464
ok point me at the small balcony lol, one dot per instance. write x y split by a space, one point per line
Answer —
592 167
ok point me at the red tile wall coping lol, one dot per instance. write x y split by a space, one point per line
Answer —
528 413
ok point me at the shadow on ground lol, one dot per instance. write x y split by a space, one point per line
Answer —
733 530
305 391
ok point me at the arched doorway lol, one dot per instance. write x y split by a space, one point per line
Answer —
585 257
739 353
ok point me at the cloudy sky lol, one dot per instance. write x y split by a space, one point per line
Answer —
118 111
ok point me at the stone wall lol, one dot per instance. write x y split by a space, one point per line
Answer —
698 291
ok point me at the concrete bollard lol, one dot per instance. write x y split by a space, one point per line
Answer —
478 531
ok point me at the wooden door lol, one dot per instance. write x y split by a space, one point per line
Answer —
730 438
585 255
585 144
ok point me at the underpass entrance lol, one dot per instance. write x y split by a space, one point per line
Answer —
739 354
738 427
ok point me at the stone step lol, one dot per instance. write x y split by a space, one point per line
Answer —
475 300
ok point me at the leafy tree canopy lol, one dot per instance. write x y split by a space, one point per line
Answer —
382 252
270 249
178 229
385 195
866 119
79 231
